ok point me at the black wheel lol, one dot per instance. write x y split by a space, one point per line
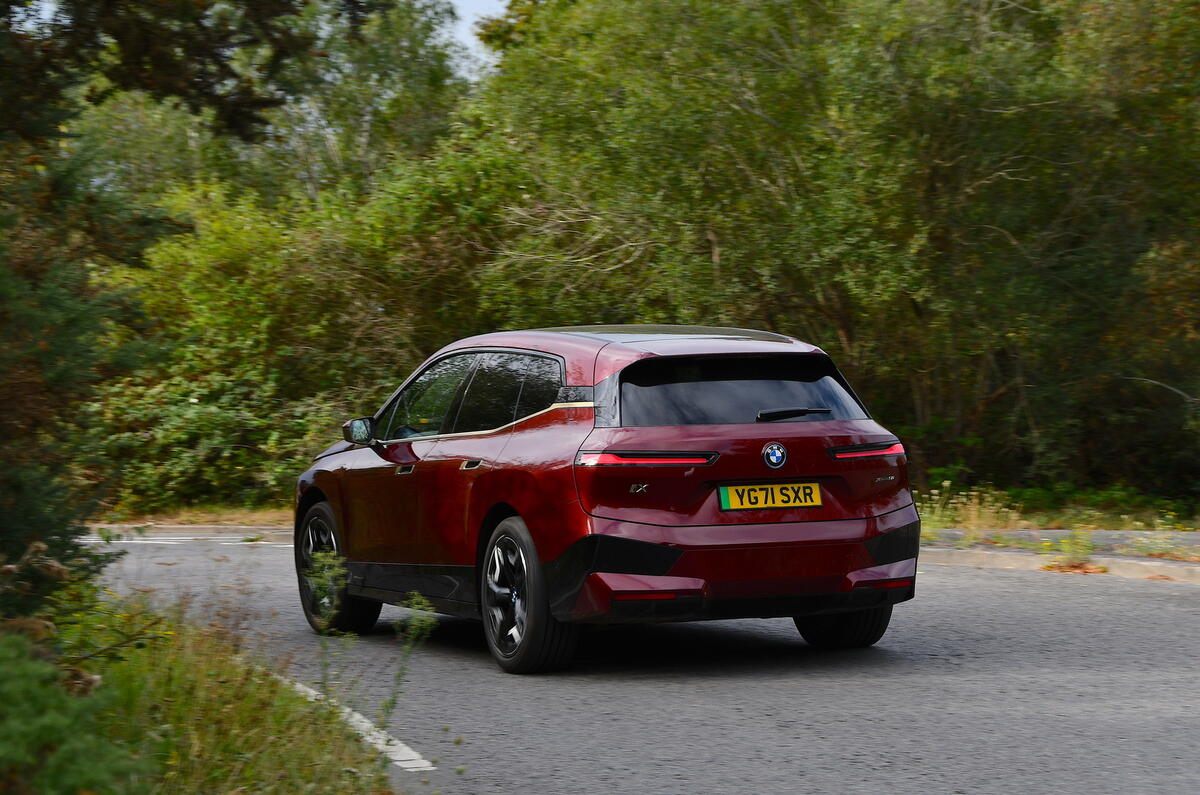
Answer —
323 595
522 635
855 630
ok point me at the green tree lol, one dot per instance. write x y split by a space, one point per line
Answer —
367 90
947 196
59 224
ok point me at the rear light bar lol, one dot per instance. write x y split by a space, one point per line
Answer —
593 458
865 450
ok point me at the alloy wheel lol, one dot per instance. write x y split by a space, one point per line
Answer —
505 580
319 587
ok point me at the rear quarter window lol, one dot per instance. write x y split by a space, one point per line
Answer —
722 390
507 387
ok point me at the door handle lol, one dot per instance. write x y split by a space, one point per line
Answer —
472 464
405 469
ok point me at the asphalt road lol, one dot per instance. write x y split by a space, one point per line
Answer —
989 681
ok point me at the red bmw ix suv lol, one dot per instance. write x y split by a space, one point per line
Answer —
541 480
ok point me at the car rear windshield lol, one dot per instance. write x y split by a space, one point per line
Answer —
720 390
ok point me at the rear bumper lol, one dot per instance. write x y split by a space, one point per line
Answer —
630 572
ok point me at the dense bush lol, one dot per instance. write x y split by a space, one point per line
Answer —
50 741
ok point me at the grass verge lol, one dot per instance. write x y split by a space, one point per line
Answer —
212 722
163 706
981 509
228 515
1160 548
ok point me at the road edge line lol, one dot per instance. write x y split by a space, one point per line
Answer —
396 751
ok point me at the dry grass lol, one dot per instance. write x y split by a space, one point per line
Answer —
978 509
981 509
280 516
1160 548
1074 568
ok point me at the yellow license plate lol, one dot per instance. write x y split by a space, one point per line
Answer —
776 495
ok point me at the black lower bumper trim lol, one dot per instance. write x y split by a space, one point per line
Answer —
895 545
566 573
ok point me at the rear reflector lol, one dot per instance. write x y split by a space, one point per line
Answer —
592 459
899 582
895 449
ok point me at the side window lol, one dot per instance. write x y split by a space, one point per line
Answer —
491 398
506 387
540 384
421 408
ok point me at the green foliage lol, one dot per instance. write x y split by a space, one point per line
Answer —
327 578
144 702
53 229
259 333
50 741
226 57
30 581
368 90
943 196
211 721
509 28
1075 550
94 629
62 222
274 325
412 631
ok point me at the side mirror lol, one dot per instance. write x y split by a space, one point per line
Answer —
359 431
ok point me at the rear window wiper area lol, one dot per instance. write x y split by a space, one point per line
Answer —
771 415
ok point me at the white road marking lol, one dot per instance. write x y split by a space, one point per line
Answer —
400 754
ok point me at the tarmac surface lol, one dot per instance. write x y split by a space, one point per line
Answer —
989 681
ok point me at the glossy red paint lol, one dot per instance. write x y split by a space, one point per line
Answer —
636 518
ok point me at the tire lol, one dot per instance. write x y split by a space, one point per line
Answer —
521 633
326 604
855 630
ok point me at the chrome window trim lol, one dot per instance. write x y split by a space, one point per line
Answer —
552 407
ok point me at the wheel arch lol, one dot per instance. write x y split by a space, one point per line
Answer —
495 515
310 497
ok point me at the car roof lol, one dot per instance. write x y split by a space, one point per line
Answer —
642 333
592 353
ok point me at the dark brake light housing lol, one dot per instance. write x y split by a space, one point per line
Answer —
867 450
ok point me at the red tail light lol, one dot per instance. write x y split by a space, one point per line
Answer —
588 458
862 451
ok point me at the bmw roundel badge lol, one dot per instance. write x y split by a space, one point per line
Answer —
774 455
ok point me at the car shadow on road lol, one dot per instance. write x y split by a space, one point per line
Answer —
699 648
712 648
